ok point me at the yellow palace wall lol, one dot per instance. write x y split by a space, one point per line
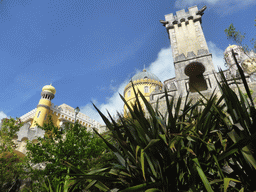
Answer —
43 112
55 119
140 85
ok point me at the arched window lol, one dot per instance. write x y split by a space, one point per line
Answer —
45 117
196 78
38 114
129 93
146 89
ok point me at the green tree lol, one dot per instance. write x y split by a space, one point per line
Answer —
60 148
11 161
238 37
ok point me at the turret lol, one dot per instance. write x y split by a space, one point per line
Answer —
43 107
146 83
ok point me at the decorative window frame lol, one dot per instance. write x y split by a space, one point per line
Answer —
129 93
146 89
38 115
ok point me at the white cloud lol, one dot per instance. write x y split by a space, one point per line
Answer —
2 115
221 7
217 56
163 66
113 105
90 111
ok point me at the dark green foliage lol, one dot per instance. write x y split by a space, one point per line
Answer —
204 146
189 148
59 149
233 34
11 161
238 38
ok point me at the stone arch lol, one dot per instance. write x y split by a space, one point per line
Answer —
195 72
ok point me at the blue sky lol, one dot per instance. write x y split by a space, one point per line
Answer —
90 49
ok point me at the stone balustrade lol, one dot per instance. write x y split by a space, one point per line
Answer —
70 116
28 115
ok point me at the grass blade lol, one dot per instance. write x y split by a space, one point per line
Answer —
226 183
202 175
142 163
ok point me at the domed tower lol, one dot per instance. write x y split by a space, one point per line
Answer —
44 105
246 60
146 83
249 65
239 54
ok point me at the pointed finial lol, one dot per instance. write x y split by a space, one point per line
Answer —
51 84
144 68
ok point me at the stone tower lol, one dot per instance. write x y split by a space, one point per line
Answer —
192 61
247 60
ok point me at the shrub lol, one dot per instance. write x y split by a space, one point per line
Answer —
61 148
11 161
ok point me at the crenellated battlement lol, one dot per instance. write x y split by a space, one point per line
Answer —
185 33
182 16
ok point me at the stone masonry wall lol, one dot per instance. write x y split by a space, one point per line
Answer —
195 96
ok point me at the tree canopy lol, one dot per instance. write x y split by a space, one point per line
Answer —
238 37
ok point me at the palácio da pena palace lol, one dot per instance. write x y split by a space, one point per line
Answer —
193 69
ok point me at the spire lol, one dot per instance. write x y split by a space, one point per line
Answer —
144 70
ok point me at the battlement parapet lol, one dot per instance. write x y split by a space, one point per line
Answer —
191 55
182 16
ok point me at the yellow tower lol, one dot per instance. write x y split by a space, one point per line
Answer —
43 107
146 83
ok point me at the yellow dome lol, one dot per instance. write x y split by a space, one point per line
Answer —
49 88
232 46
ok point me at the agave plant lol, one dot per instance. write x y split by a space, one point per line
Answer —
240 156
206 146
